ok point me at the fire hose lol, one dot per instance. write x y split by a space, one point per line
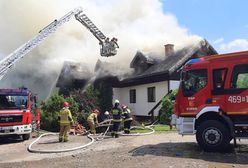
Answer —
140 127
90 136
30 149
104 124
133 127
139 134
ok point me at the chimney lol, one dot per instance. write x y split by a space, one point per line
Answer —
169 49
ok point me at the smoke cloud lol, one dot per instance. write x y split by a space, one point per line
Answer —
138 25
1 55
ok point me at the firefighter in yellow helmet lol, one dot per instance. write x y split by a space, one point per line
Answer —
65 120
93 121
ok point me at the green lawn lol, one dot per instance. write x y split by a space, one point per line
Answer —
158 129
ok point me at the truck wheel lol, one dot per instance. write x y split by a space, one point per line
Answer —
25 136
213 135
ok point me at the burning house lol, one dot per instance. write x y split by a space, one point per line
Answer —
150 77
154 77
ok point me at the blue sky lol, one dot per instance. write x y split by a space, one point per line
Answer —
224 23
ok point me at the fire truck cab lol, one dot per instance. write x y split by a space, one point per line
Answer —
16 112
212 100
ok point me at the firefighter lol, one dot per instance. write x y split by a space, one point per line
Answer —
173 119
101 118
116 112
65 120
126 115
93 121
107 116
114 43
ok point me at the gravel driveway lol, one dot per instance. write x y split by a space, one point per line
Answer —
156 150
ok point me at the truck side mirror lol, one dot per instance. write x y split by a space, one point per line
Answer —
35 99
173 99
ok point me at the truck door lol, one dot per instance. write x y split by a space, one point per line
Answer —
195 90
237 95
218 92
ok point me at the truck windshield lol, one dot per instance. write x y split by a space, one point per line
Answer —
193 81
13 101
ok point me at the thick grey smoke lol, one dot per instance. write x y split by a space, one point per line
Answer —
1 55
138 25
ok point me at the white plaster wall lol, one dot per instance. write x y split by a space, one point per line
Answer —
174 84
142 106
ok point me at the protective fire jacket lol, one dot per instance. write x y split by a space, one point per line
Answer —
127 115
117 112
65 116
92 118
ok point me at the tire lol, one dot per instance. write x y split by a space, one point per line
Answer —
213 136
25 137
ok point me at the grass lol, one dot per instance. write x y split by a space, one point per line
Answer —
158 129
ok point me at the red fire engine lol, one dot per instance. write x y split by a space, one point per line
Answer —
212 100
16 106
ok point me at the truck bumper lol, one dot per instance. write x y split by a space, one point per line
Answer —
186 125
17 129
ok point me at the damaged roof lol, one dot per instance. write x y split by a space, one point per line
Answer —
145 68
73 72
106 69
165 69
141 58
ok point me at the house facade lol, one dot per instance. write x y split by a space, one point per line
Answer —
154 77
142 98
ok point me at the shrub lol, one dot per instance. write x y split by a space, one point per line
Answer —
50 111
87 101
105 94
82 102
167 108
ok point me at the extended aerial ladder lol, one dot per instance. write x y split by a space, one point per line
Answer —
107 47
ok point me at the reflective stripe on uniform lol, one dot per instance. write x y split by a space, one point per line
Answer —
117 120
128 119
115 111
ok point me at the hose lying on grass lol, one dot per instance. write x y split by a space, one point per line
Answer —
141 127
139 134
108 123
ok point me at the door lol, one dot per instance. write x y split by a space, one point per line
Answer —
219 92
195 91
237 94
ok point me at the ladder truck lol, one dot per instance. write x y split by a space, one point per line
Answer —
16 105
107 47
212 100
